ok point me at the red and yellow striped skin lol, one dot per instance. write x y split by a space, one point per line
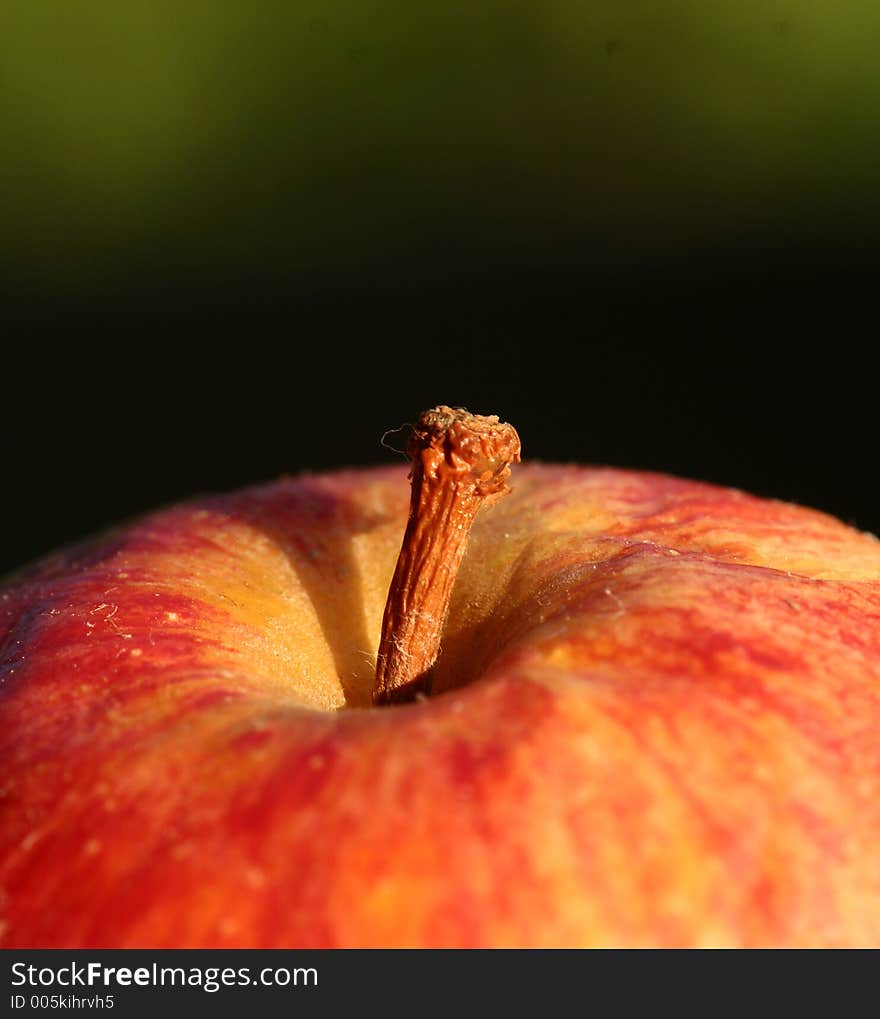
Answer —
656 721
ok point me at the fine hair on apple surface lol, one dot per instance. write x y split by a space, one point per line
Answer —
576 706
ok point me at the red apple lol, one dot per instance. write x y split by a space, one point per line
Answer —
654 721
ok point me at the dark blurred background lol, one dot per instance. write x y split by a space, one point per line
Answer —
241 240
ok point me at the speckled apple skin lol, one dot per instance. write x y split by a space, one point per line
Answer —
656 722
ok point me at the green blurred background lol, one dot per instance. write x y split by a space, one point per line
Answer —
613 222
315 135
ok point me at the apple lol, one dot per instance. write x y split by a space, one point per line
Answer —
653 720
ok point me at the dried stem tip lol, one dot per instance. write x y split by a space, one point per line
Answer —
460 461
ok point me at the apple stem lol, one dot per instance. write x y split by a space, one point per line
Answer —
460 462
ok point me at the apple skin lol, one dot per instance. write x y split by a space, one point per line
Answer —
656 723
